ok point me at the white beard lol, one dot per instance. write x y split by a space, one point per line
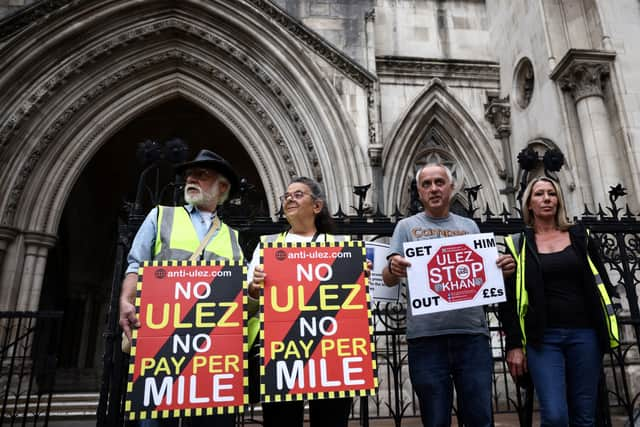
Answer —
202 197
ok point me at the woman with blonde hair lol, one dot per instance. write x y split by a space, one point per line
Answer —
558 318
561 217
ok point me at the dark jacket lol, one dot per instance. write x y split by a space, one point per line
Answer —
535 319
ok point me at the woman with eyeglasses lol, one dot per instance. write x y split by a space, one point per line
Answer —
558 318
305 208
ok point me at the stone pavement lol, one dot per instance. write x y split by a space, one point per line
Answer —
501 420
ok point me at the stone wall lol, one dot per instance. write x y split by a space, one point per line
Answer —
517 35
340 22
621 23
417 43
433 29
583 92
7 7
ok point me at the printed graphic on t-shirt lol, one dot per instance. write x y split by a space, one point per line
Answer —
419 232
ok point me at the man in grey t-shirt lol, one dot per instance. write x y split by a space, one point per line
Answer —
450 347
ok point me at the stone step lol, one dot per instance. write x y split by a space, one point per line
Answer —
63 406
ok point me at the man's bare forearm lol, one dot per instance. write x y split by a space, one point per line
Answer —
128 291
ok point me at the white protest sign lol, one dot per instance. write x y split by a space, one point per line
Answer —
453 273
377 254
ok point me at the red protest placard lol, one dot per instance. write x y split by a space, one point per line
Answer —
189 354
459 265
316 323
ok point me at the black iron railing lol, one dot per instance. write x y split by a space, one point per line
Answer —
619 237
617 229
28 349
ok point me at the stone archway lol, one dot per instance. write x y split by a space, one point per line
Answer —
80 267
437 126
92 68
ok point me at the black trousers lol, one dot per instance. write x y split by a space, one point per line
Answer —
226 420
322 413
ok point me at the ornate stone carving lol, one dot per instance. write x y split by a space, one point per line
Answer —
28 15
145 31
431 154
444 69
307 36
375 155
171 55
370 15
435 147
330 53
57 77
7 234
372 115
35 242
524 82
584 80
108 45
583 71
498 113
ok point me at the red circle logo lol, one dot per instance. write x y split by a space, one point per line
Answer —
456 273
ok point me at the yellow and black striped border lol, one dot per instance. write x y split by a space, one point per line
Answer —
177 413
342 244
323 395
374 364
186 263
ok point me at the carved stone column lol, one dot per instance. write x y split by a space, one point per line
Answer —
7 235
583 73
375 161
498 113
37 247
373 115
7 286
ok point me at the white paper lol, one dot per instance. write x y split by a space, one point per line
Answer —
453 273
377 254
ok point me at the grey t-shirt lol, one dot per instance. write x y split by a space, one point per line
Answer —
422 227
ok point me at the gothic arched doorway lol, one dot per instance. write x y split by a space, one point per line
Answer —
80 267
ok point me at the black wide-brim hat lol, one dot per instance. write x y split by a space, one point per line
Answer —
210 160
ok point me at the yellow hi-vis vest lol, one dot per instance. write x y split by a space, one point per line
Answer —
522 297
176 238
253 324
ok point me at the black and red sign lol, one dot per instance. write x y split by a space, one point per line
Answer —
189 354
316 323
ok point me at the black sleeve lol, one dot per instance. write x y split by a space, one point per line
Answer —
508 314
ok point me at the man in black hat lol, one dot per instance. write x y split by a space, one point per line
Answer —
192 231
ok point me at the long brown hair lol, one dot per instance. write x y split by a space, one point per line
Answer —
562 221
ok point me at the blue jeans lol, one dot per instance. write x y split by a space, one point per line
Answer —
437 363
565 371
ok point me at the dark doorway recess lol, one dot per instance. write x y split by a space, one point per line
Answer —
80 267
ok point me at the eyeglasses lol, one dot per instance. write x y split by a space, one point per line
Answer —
199 173
296 195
